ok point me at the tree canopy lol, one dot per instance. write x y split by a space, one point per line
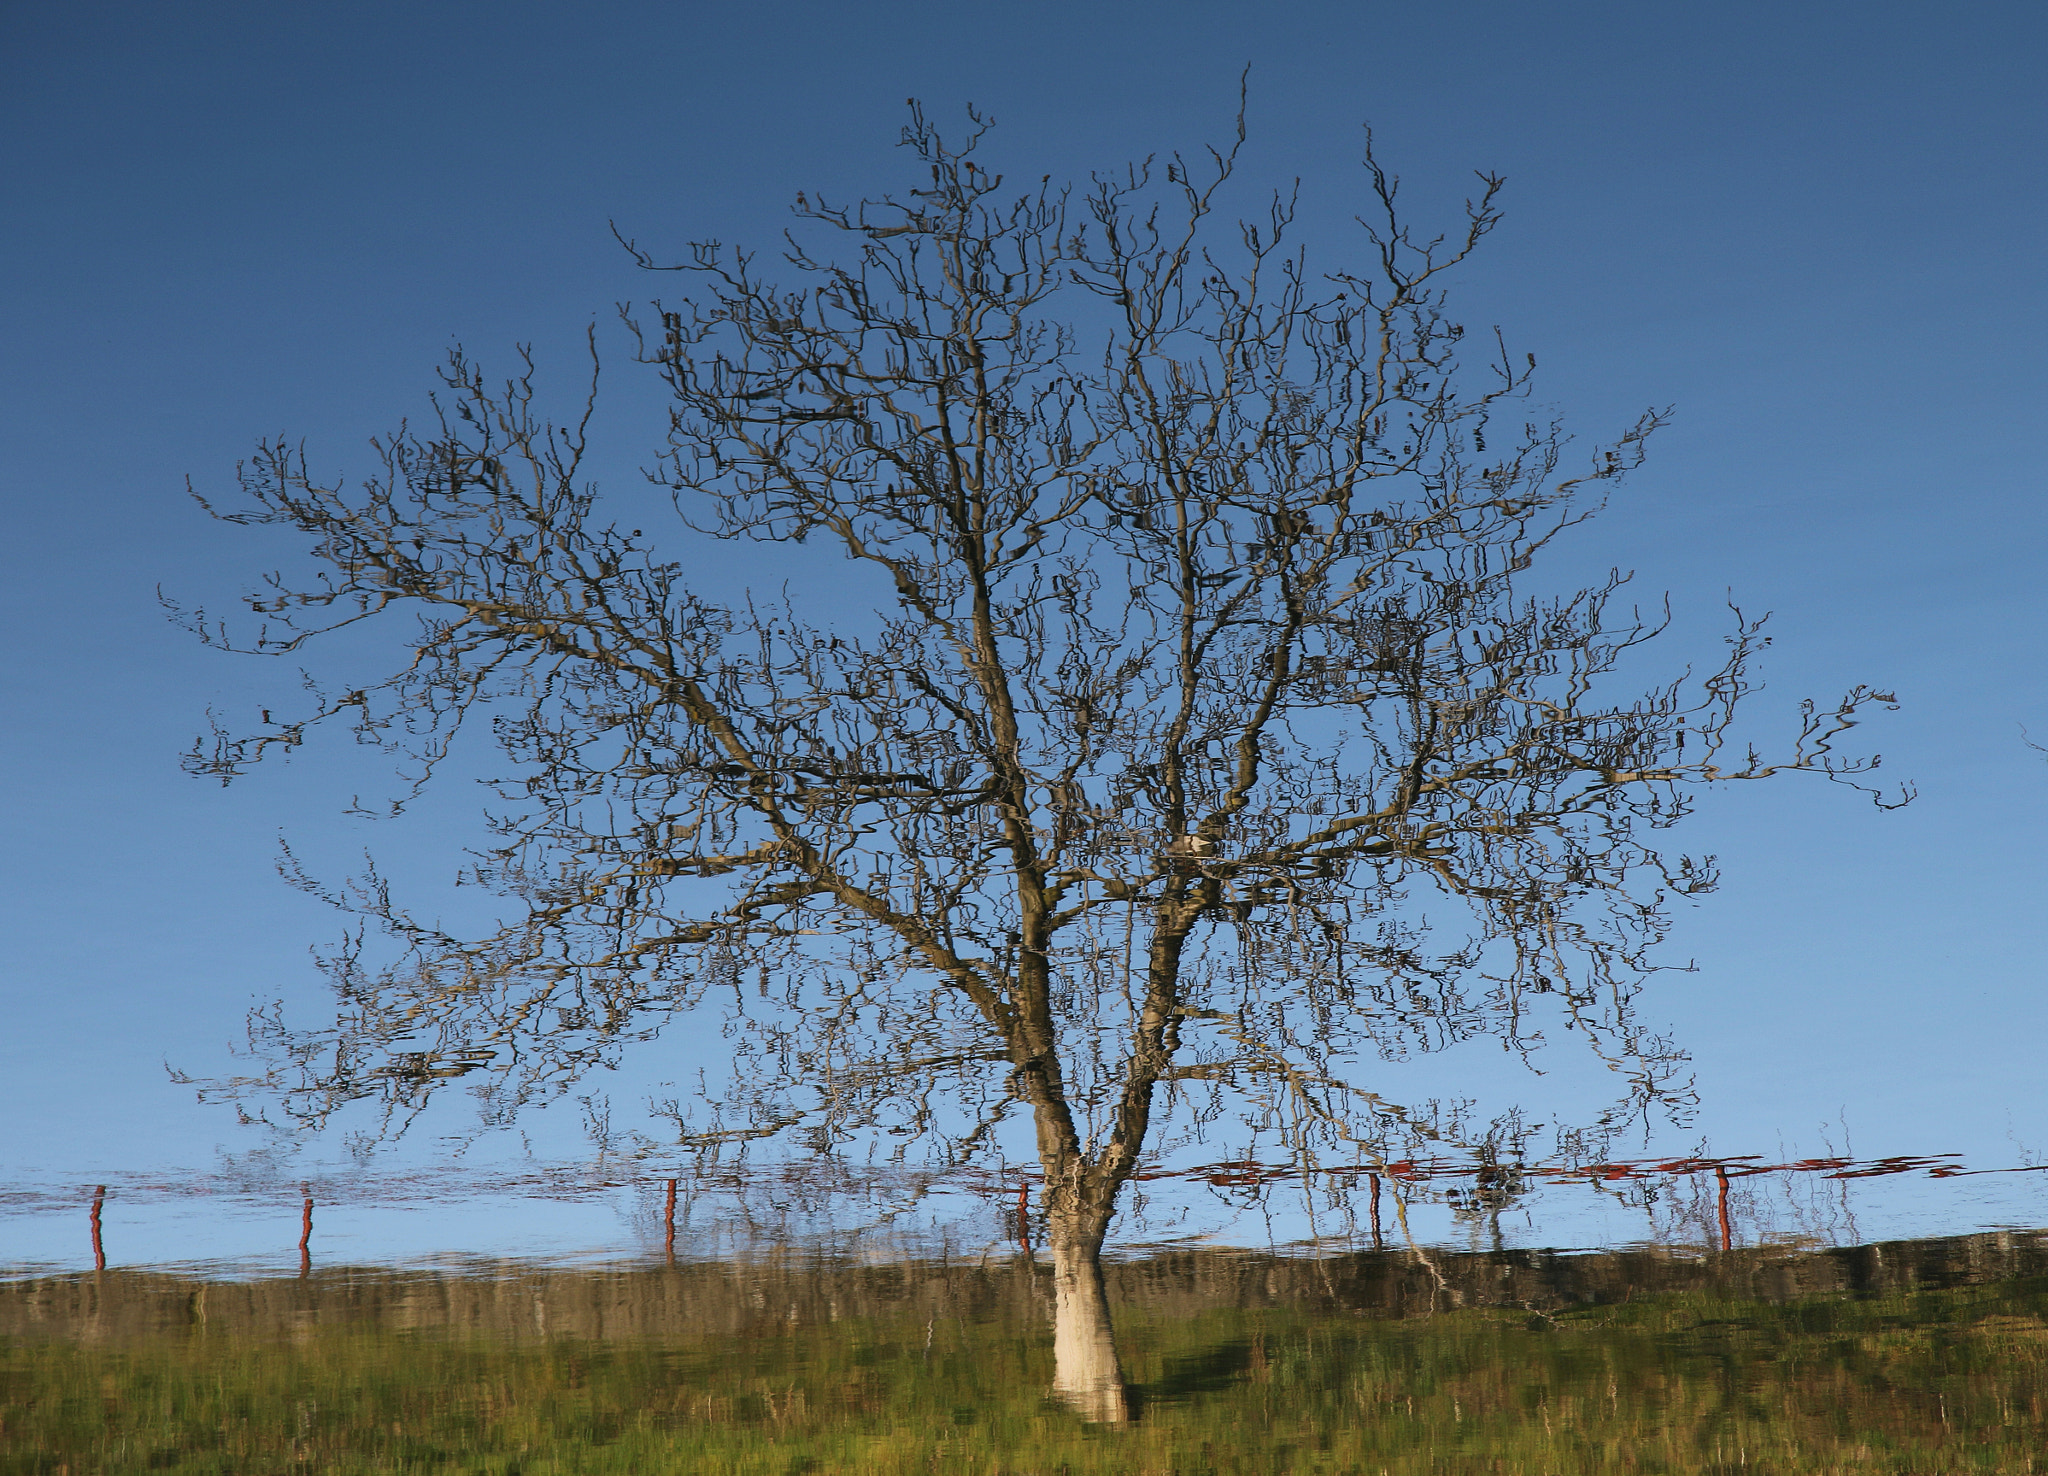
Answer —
1208 638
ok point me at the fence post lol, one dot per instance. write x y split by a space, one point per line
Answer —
668 1223
306 1232
99 1249
1378 1241
1727 1229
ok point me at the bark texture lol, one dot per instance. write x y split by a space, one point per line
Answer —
1086 1371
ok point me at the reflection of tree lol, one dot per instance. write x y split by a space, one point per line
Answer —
1207 644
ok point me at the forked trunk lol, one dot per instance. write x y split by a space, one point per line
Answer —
1086 1372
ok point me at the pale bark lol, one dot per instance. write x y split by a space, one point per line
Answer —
1087 1374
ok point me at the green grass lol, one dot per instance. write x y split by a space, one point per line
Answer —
1933 1381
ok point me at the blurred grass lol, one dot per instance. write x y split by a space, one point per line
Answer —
1930 1381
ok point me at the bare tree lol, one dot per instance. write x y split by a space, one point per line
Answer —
1207 643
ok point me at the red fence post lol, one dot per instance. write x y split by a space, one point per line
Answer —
306 1233
1727 1230
668 1224
99 1250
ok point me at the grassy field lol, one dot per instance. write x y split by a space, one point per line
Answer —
1931 1381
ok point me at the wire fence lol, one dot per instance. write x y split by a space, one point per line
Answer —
1472 1189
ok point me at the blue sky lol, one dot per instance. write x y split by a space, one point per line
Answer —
1815 229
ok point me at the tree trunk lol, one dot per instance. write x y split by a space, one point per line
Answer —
1086 1372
